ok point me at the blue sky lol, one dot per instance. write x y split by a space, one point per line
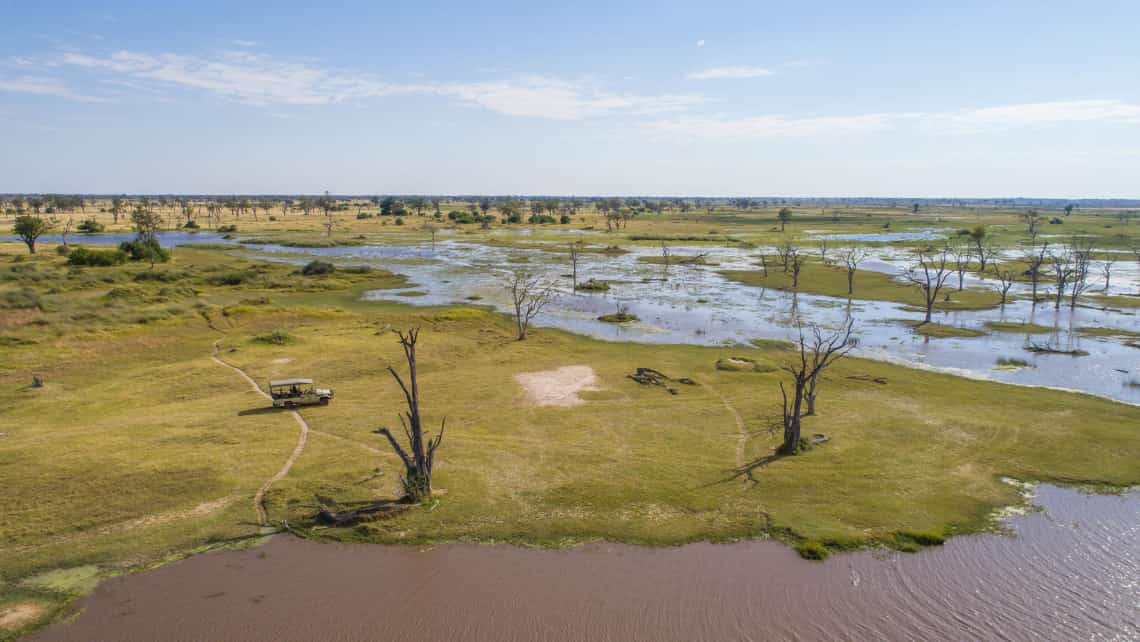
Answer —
967 99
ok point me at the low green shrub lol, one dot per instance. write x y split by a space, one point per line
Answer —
318 268
96 258
276 338
811 550
233 278
90 226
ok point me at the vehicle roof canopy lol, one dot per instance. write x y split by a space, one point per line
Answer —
290 382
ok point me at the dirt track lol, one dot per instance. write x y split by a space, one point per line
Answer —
302 439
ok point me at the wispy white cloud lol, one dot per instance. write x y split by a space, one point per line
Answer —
245 43
734 72
700 43
43 86
259 79
560 100
949 122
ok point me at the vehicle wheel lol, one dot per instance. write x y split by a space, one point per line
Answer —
324 401
288 404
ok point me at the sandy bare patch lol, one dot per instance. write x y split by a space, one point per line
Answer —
282 360
19 614
558 387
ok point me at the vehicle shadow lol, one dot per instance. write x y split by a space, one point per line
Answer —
264 410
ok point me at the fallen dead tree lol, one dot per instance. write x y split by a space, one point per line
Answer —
651 377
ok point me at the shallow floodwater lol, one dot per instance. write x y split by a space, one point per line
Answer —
1070 571
695 304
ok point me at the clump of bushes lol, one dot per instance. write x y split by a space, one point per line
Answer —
90 226
275 338
811 550
318 268
622 315
594 285
564 219
363 215
1012 362
227 229
536 219
145 250
161 277
96 258
399 220
190 225
233 278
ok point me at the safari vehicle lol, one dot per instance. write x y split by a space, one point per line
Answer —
287 393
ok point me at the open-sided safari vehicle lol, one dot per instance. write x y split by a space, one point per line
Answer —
287 393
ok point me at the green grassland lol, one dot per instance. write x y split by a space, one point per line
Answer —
831 280
139 448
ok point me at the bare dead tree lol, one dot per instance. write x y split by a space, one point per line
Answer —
822 246
1034 256
1106 269
815 355
1062 263
575 256
797 263
783 250
1082 264
962 257
852 257
433 230
418 463
1006 278
529 295
929 274
764 265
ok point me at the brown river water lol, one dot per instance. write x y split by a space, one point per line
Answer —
1069 571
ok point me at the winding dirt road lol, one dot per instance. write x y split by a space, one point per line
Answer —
302 439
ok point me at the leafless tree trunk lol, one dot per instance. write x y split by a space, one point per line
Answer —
962 256
822 246
852 257
1062 272
1006 278
929 275
1106 270
1082 262
575 255
1036 259
797 262
419 462
784 250
815 355
529 294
